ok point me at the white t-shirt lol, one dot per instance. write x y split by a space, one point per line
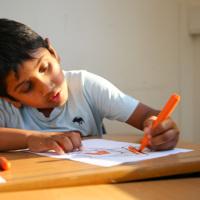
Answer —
91 99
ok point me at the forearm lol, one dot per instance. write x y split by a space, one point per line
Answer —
11 139
141 113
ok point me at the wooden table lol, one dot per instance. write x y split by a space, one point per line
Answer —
31 171
165 189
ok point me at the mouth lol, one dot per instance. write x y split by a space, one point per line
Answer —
56 97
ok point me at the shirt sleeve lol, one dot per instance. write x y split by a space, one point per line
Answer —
9 115
2 119
107 99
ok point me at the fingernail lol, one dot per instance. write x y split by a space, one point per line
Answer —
62 152
146 130
149 136
81 148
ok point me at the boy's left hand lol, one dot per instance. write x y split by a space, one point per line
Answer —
164 136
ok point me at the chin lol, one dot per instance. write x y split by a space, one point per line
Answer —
63 101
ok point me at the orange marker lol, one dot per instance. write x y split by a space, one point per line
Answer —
4 163
164 114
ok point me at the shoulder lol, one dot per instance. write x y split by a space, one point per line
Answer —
80 74
82 77
8 114
5 106
74 73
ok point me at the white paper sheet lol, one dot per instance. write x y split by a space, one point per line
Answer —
2 180
109 153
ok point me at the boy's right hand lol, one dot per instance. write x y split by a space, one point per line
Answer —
43 142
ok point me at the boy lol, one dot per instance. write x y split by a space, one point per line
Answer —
43 107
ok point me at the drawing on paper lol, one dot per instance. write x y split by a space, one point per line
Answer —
110 153
98 153
105 152
118 151
134 150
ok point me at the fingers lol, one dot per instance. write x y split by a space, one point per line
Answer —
165 141
52 145
70 141
149 122
164 126
65 142
60 142
164 136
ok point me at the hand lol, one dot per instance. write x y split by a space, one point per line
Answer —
45 141
164 136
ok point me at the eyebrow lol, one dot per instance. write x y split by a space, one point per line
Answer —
21 83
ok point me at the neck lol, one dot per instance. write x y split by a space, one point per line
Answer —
46 111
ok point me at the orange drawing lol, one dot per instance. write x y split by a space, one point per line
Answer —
98 153
134 150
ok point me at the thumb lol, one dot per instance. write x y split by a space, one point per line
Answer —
148 123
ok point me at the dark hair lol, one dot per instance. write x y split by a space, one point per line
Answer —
17 43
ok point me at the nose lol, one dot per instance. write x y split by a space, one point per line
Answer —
45 85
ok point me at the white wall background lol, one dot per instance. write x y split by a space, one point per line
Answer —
143 47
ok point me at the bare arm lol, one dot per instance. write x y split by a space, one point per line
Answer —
12 139
141 113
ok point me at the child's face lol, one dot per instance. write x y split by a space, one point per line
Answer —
41 82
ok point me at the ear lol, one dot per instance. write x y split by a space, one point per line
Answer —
56 55
17 104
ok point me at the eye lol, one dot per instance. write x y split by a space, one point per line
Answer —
28 87
44 68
